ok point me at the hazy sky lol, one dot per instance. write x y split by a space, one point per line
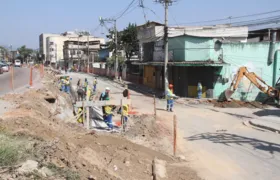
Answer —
22 21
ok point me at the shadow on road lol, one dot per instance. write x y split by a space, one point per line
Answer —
268 112
232 139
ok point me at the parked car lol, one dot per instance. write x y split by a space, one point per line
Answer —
17 63
1 70
4 67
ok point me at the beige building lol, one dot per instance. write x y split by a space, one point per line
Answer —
51 45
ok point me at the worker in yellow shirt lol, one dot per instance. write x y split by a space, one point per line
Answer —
125 113
88 92
108 115
94 84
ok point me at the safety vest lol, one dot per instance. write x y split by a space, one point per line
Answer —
108 110
94 82
67 82
169 94
88 92
125 110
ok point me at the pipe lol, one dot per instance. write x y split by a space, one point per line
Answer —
272 47
275 67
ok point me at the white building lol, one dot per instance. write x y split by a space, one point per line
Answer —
51 45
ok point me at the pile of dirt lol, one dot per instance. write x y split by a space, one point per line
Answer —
64 145
239 104
146 131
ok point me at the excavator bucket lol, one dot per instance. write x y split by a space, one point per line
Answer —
228 94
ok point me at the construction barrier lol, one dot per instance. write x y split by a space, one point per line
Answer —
12 77
31 77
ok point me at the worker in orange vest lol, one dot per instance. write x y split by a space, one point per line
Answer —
169 97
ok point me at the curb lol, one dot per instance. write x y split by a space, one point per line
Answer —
264 127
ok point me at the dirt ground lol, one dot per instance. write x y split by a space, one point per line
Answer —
60 141
239 104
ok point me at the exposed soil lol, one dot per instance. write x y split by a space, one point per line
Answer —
103 156
238 104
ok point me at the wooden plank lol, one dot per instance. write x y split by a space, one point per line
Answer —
102 103
88 123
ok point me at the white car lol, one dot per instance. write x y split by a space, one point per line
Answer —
4 67
17 63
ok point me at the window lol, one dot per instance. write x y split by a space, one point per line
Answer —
218 45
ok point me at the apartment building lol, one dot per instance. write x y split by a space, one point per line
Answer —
51 45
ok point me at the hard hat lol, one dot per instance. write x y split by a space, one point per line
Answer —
107 89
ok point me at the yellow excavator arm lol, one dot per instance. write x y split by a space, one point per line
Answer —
243 71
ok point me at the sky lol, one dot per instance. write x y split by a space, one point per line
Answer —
22 21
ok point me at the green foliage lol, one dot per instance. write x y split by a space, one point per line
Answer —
9 150
111 44
111 61
9 155
24 52
129 40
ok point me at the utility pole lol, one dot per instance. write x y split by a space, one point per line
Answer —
166 3
88 53
110 20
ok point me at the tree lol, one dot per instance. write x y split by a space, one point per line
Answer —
3 52
111 44
129 40
24 52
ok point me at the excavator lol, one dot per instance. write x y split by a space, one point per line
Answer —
263 86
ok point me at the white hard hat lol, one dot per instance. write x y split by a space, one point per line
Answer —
107 89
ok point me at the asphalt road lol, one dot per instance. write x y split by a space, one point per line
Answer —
21 80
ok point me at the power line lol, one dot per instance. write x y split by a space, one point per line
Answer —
259 21
127 8
230 18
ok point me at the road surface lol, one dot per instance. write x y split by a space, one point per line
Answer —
218 145
21 80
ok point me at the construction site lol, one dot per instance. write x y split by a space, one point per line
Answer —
39 129
142 90
41 137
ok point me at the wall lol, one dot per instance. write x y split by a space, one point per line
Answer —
255 57
188 48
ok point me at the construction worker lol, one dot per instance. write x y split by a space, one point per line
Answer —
108 115
85 86
88 92
79 82
63 84
169 97
94 84
199 90
105 94
67 85
125 113
80 93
